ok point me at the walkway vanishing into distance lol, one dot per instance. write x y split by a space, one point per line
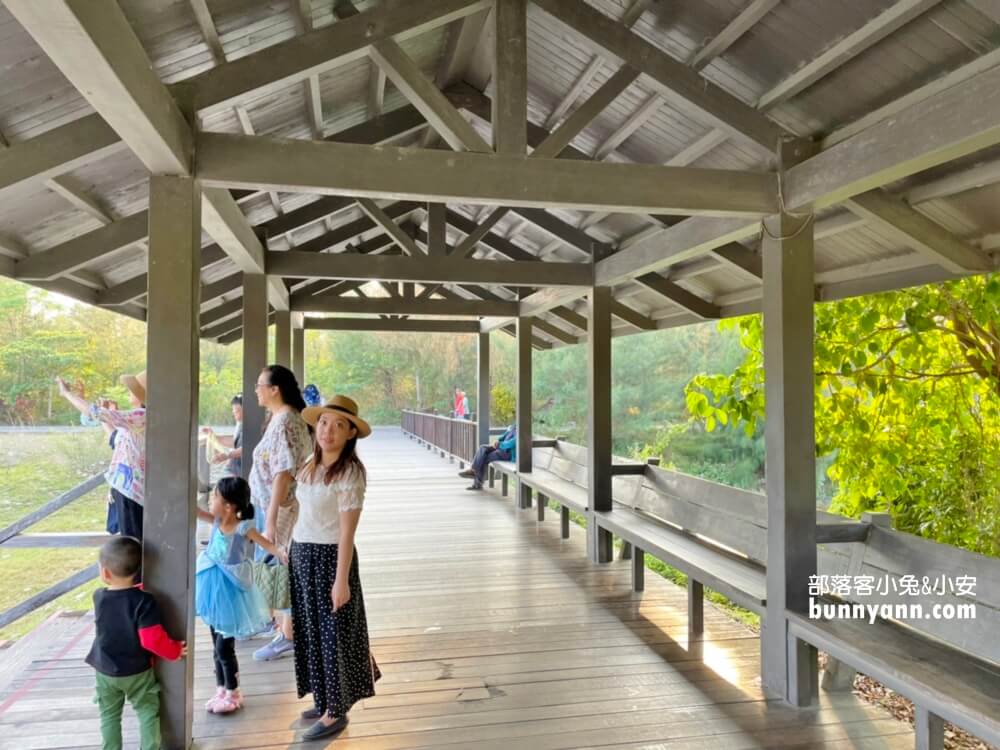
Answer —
492 633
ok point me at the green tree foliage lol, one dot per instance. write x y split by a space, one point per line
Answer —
907 405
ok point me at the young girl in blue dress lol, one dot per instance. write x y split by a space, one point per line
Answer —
226 598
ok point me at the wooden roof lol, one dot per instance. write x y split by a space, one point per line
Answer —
842 75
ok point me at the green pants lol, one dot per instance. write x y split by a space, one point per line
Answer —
143 692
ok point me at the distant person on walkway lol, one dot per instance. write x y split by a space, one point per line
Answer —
333 660
310 394
279 455
233 458
127 473
129 633
226 598
504 449
466 411
458 410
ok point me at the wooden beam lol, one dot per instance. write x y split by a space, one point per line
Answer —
490 239
221 287
68 188
554 331
427 98
90 138
744 21
463 36
303 12
632 123
380 217
486 179
563 231
697 149
170 518
392 324
282 65
510 77
314 100
376 91
247 125
632 317
437 229
740 259
679 296
581 83
958 121
674 79
586 113
544 300
226 224
220 313
426 269
888 21
94 46
335 303
80 251
134 288
917 231
352 229
204 18
685 240
474 234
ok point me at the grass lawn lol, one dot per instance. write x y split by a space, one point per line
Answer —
35 468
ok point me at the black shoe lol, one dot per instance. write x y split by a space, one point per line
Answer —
474 487
312 713
319 730
467 474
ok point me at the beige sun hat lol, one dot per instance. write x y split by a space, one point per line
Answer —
338 405
136 385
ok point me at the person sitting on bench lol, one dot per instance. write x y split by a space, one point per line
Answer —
503 449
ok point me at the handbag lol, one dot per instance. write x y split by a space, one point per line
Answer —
272 581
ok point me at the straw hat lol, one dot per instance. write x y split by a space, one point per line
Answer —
136 385
339 405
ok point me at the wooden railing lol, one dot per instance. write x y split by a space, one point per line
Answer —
455 437
13 536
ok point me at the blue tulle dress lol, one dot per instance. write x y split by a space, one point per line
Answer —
225 595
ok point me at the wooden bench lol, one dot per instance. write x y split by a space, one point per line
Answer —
949 668
714 534
558 472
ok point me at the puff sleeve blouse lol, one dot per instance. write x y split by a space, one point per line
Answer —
320 504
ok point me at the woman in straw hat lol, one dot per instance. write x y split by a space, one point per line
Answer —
332 659
126 474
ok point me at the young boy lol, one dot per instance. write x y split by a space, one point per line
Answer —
129 633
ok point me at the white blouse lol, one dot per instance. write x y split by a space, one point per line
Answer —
321 504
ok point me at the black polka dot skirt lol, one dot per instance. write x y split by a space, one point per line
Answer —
332 656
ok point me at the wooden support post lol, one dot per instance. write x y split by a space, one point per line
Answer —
542 502
283 338
837 677
929 729
599 541
510 103
503 484
299 347
638 569
564 522
524 326
626 551
696 609
788 666
492 476
174 273
254 360
483 391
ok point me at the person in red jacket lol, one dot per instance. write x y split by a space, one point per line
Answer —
458 410
129 633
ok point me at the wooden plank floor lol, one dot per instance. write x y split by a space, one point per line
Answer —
491 633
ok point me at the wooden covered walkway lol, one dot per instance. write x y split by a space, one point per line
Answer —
492 632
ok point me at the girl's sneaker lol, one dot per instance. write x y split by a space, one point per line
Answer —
229 702
210 704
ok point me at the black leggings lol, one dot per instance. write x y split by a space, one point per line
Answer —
129 515
227 669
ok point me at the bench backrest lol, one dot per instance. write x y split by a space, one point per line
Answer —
725 516
893 559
